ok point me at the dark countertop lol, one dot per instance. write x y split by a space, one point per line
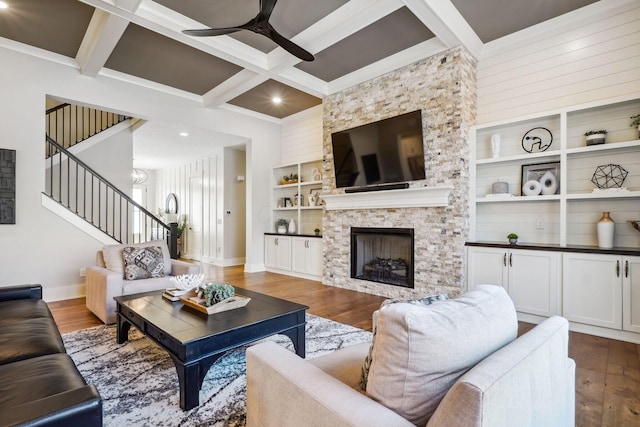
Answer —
295 235
558 248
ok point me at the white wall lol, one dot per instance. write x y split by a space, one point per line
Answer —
41 247
595 58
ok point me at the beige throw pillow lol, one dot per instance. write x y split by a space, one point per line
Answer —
421 351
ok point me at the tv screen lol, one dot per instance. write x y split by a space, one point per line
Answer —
383 152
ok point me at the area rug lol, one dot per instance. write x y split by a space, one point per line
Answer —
139 385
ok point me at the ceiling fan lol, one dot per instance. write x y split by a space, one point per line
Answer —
259 25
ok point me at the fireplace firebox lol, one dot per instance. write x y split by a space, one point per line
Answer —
383 255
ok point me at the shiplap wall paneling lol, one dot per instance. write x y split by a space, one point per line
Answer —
302 136
595 58
495 220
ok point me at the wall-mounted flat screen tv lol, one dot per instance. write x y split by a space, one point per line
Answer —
388 151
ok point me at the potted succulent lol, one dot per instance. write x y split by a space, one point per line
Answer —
595 137
513 238
289 179
281 226
635 122
317 231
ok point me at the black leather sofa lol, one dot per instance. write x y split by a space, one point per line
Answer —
39 383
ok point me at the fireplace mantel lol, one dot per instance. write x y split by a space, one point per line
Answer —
405 198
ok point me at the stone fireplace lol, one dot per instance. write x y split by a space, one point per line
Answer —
383 255
444 88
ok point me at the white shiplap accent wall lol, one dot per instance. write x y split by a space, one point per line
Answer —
595 57
302 136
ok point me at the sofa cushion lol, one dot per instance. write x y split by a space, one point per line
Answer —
37 378
114 260
417 301
28 338
421 351
143 263
22 309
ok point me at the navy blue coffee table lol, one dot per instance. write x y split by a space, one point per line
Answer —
195 340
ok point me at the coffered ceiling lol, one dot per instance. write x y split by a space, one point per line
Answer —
353 41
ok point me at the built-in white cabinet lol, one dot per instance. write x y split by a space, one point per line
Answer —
290 199
531 278
555 141
602 290
277 252
306 256
294 255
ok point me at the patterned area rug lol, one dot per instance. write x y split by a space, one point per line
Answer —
139 385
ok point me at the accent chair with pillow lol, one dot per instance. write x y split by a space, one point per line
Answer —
451 363
130 269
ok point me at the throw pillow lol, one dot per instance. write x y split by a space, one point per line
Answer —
143 263
421 351
114 261
367 360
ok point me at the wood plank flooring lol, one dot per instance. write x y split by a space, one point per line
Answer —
607 374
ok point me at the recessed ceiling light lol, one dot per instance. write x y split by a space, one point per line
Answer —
4 5
184 133
276 100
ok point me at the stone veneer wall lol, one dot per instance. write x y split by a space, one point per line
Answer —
444 88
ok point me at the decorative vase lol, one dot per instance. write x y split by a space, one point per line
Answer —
605 228
292 227
495 145
531 188
549 183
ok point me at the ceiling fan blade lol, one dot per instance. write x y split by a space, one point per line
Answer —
266 7
289 46
207 32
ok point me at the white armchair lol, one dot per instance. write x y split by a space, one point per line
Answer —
106 280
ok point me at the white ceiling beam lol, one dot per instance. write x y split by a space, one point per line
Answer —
446 23
102 36
233 87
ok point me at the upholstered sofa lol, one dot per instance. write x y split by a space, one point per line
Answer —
529 381
107 279
39 383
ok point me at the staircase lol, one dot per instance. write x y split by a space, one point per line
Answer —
78 189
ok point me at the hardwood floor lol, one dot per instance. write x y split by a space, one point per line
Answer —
607 373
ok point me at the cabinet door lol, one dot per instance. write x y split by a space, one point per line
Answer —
306 256
314 249
534 278
486 266
592 289
283 245
299 254
631 293
270 251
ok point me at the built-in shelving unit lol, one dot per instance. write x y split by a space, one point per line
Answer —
569 216
307 218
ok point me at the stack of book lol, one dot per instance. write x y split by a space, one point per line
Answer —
174 294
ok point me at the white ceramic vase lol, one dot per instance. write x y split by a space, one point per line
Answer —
549 183
292 227
495 145
531 188
605 228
